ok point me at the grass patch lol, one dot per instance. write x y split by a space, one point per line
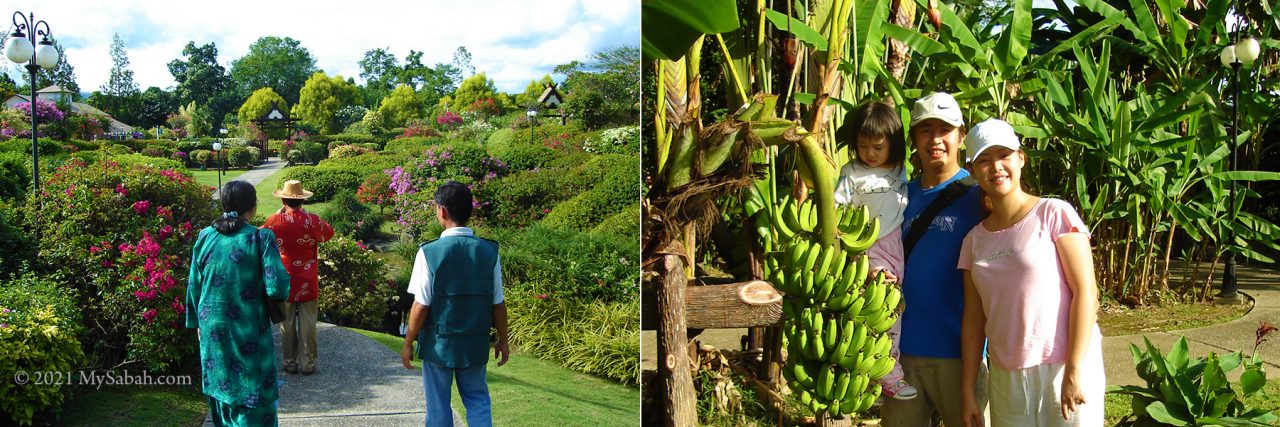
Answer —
210 177
528 391
130 405
1116 320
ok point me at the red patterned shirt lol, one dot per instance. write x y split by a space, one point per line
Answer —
298 233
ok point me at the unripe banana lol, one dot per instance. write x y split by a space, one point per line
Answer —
790 309
805 215
859 337
841 386
844 342
892 297
826 380
830 334
875 298
869 399
884 344
828 255
857 305
881 367
801 375
812 255
885 323
790 216
868 360
825 285
779 221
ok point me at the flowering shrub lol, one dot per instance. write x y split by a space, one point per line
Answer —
354 288
179 156
344 151
83 126
415 185
13 122
152 152
484 108
449 120
40 325
417 128
46 111
473 131
620 140
376 190
350 217
121 235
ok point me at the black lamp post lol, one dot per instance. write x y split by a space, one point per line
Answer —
217 152
1234 56
22 48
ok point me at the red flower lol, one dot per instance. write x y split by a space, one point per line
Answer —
149 315
541 296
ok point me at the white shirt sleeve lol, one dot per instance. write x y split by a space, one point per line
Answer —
420 280
497 282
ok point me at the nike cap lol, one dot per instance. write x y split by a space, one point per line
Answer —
937 105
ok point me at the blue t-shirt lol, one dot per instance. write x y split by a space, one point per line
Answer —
932 287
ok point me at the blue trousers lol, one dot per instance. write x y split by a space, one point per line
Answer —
472 387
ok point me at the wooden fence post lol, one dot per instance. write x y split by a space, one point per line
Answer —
674 364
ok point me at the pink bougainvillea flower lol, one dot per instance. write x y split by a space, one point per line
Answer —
121 190
106 263
150 315
166 232
142 206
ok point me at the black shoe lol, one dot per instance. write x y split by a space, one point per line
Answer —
308 371
291 369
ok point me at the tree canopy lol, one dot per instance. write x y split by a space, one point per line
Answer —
279 63
321 99
401 106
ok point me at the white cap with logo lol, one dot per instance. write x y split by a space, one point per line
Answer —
938 105
990 133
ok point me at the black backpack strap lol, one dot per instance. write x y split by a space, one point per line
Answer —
950 194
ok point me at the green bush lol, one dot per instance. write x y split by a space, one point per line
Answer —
15 246
345 151
356 138
324 182
46 146
526 156
625 223
619 189
594 337
15 175
156 162
240 157
295 157
117 149
39 329
522 198
354 288
1185 390
155 152
201 157
571 264
620 140
413 144
499 140
350 217
311 151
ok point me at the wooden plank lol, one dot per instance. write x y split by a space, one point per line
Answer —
736 305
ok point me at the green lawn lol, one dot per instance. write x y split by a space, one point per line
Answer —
528 391
129 405
210 177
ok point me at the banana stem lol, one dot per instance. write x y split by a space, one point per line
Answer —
824 183
728 60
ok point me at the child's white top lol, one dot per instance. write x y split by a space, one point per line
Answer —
882 190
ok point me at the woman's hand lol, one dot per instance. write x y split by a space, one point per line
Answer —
972 413
1072 396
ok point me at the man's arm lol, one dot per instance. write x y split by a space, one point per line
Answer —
417 315
501 350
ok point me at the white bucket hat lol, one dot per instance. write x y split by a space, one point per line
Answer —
938 105
990 133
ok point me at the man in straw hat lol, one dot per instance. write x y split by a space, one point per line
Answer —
298 233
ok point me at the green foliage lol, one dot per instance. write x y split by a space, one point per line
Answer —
324 182
259 104
413 144
241 157
200 157
529 98
526 156
121 236
45 146
618 189
499 140
619 140
594 337
154 162
525 197
624 224
311 152
15 175
40 327
344 151
273 62
571 265
472 89
605 91
354 285
15 245
322 97
350 217
399 107
1181 390
296 157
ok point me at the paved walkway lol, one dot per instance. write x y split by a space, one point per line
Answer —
259 172
1261 285
358 382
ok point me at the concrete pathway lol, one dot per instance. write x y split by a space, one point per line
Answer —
1260 285
259 172
358 382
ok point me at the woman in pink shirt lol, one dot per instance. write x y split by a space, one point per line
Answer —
1030 293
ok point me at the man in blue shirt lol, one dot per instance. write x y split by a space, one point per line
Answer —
932 286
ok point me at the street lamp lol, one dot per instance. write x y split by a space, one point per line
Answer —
22 48
1234 56
217 152
533 117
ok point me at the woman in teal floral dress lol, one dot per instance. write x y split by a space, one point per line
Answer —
233 265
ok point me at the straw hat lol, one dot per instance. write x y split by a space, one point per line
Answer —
292 190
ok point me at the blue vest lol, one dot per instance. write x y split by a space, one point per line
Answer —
456 334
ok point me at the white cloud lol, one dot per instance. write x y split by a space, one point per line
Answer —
511 41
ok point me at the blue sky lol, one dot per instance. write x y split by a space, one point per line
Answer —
512 42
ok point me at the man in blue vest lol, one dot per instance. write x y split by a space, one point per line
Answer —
457 291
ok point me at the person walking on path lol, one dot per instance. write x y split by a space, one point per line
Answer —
1030 296
299 234
942 207
234 266
457 290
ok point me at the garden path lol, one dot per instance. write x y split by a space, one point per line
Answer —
358 382
1259 284
260 172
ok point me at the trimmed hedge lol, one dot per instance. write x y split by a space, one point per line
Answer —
413 144
15 175
617 190
526 156
324 182
157 162
350 217
571 264
40 327
625 223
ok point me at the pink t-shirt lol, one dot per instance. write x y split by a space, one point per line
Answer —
1022 285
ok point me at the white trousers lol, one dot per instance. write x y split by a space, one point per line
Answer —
1032 396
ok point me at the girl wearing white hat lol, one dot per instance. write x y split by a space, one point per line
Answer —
1031 295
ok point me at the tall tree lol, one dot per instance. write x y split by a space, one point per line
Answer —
202 80
120 92
279 63
379 69
462 61
401 106
605 90
155 106
474 88
63 75
431 83
321 99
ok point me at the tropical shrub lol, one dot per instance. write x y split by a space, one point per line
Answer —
625 223
554 328
376 190
350 217
40 326
15 247
526 156
619 140
15 175
1181 390
355 291
619 189
570 264
346 151
120 235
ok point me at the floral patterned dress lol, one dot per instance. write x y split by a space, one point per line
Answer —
225 295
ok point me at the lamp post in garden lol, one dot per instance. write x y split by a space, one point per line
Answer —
217 152
22 48
1243 52
532 113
